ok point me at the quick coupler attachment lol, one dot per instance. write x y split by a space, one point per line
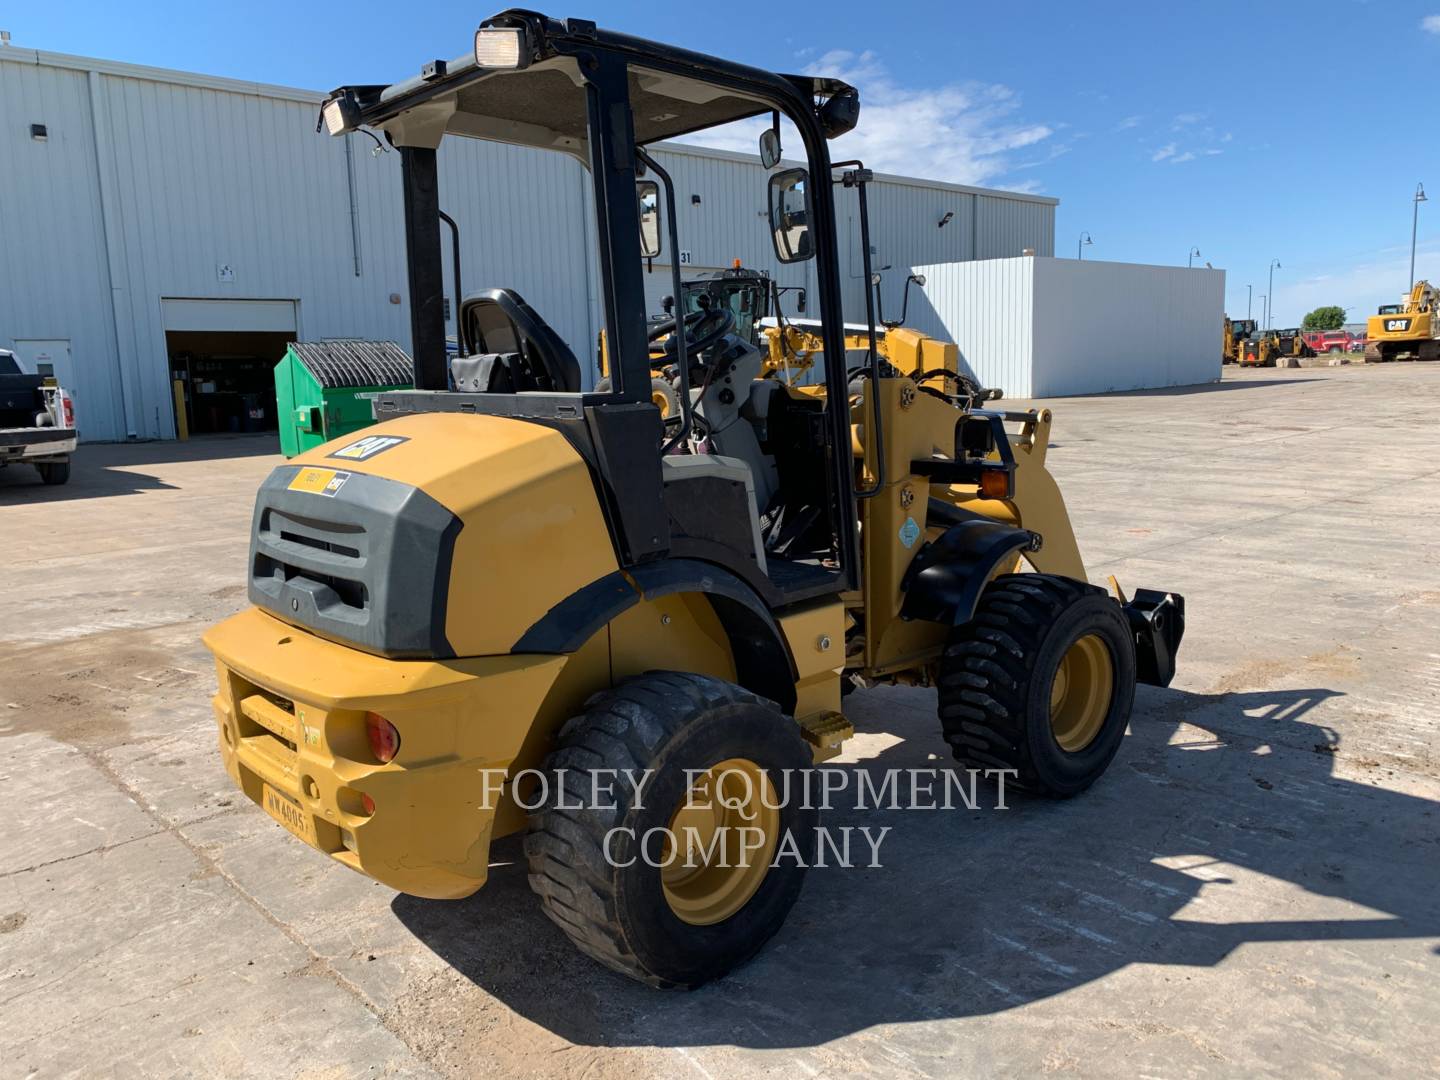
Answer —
1157 622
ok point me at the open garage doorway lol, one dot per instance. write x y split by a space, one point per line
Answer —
222 360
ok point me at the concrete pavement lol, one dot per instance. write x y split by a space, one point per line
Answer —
1252 888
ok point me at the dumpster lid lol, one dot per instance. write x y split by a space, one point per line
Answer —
354 362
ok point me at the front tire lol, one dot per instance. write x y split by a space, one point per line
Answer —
681 925
1040 681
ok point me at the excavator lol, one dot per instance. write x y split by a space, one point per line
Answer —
1407 330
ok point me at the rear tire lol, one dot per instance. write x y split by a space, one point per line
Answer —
627 916
54 472
1040 681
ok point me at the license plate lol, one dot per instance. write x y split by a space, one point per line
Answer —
287 812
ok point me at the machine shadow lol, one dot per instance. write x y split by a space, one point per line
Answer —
102 470
20 485
1196 388
978 911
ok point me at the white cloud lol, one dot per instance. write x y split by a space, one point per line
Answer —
961 132
1430 24
1128 122
1166 151
1361 285
1188 155
1028 187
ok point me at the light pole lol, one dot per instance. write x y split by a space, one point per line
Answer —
1264 307
1249 296
1190 259
1080 247
1414 224
1270 305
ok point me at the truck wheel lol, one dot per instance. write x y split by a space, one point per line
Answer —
662 394
676 887
1040 681
54 472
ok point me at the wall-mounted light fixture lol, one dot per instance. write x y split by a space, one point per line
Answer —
694 200
39 132
949 217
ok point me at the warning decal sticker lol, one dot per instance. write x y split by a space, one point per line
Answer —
320 481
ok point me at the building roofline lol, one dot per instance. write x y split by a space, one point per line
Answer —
889 178
42 58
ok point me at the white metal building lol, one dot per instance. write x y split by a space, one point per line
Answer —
156 223
1046 327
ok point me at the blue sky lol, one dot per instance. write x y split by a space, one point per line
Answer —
1271 129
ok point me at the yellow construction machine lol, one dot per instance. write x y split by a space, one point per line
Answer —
1408 330
1236 332
793 345
1291 342
518 607
1261 348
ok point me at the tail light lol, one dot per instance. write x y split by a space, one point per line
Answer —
384 739
996 484
368 803
69 408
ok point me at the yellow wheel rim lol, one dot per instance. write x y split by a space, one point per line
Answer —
721 840
662 402
1081 693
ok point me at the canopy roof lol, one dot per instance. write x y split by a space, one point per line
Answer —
544 104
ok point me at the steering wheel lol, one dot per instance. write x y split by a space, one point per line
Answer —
662 327
702 328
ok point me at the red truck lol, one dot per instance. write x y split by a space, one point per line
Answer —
1334 341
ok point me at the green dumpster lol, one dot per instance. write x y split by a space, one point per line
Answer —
323 389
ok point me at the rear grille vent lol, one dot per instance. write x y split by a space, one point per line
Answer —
320 545
368 564
325 558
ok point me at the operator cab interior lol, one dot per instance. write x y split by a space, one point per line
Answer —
752 474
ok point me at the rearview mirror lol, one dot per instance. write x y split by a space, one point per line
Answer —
647 194
790 216
770 148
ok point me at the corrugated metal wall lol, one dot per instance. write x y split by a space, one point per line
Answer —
1103 326
1045 327
987 308
150 181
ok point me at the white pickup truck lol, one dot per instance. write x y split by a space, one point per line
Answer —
37 422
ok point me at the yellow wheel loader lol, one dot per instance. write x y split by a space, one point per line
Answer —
1408 330
747 294
518 607
793 347
1236 332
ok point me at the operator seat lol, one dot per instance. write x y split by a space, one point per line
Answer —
512 349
